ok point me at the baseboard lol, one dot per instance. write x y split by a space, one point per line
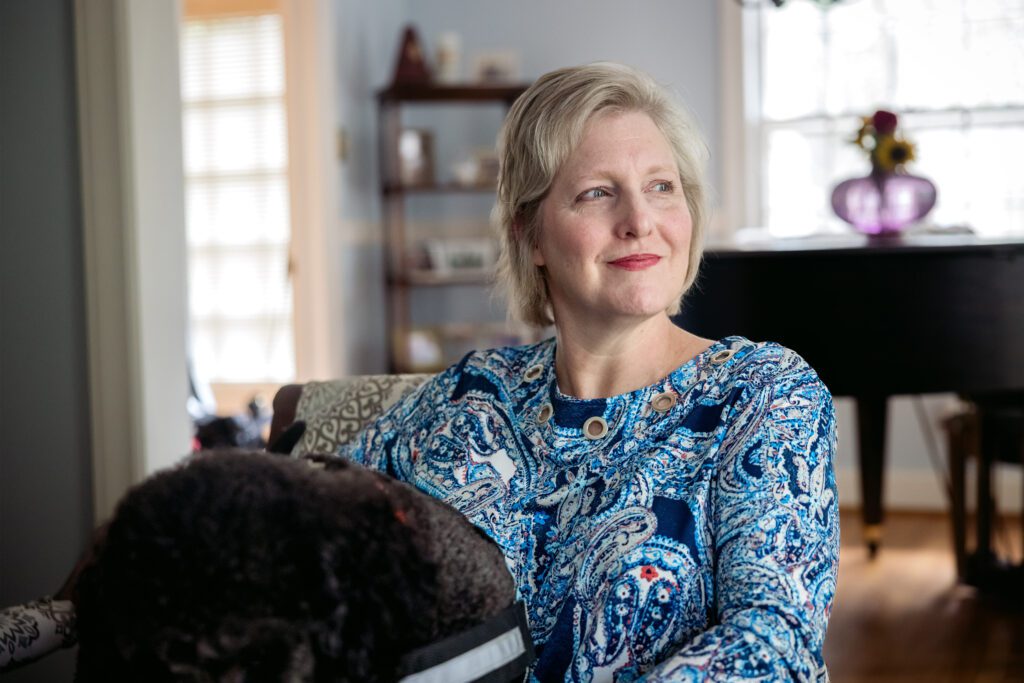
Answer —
921 489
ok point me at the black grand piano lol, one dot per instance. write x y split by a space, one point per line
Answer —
875 317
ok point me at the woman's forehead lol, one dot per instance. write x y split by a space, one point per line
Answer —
611 139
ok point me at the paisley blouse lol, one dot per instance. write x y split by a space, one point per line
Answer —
684 531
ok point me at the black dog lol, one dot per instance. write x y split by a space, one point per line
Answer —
251 567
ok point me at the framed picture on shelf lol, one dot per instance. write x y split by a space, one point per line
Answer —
457 255
416 157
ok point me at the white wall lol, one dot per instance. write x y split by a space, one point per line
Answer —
45 498
133 212
155 215
365 43
677 42
47 200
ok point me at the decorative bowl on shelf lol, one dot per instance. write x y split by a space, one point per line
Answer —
466 172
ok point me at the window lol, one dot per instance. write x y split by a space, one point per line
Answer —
237 192
952 69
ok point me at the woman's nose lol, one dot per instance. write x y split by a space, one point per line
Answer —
635 218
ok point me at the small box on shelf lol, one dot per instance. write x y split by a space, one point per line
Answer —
433 348
461 254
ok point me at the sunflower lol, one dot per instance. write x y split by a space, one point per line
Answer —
891 153
866 132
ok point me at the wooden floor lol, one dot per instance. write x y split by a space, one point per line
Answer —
901 618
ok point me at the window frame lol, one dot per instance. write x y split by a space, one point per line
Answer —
745 134
312 170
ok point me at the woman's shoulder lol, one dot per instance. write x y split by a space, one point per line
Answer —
738 363
508 362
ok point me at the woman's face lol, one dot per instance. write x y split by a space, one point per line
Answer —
615 230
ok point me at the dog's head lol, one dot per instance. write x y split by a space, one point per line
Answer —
245 566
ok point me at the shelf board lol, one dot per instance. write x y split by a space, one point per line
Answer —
437 188
422 277
463 92
451 340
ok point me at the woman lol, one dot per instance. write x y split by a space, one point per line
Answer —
666 503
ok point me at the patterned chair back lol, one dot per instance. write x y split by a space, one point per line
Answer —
336 410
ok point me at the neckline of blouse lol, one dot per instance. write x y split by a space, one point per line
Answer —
676 378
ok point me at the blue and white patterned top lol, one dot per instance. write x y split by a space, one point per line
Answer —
697 539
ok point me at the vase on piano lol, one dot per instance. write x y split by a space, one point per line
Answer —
883 202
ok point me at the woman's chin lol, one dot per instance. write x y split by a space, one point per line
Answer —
617 308
639 308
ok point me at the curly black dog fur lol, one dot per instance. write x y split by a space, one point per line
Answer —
250 567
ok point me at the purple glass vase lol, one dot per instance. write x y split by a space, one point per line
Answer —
883 202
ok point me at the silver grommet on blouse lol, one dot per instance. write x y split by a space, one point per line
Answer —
534 372
544 414
595 427
663 402
722 356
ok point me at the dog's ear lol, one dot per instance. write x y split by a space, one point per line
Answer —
284 443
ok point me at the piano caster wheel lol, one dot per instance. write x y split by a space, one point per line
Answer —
873 538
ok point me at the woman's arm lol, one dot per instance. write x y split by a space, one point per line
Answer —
382 444
776 530
33 630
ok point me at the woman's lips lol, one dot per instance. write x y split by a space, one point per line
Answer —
635 261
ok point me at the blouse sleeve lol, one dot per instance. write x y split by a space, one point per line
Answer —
776 530
35 629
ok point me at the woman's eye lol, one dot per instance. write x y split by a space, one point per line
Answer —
663 186
593 193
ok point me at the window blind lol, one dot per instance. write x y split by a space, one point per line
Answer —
237 198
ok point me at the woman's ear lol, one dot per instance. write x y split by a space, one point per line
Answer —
538 257
519 233
517 227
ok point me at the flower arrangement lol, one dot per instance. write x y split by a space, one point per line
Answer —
889 199
877 137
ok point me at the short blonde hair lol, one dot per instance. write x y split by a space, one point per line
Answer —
542 129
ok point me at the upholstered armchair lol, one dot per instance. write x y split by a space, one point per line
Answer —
335 411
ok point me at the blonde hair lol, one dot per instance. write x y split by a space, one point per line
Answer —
542 129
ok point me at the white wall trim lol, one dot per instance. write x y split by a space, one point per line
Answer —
133 217
309 28
739 99
155 209
113 382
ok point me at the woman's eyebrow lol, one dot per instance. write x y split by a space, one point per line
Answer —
591 176
602 174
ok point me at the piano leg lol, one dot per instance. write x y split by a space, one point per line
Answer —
871 423
986 502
